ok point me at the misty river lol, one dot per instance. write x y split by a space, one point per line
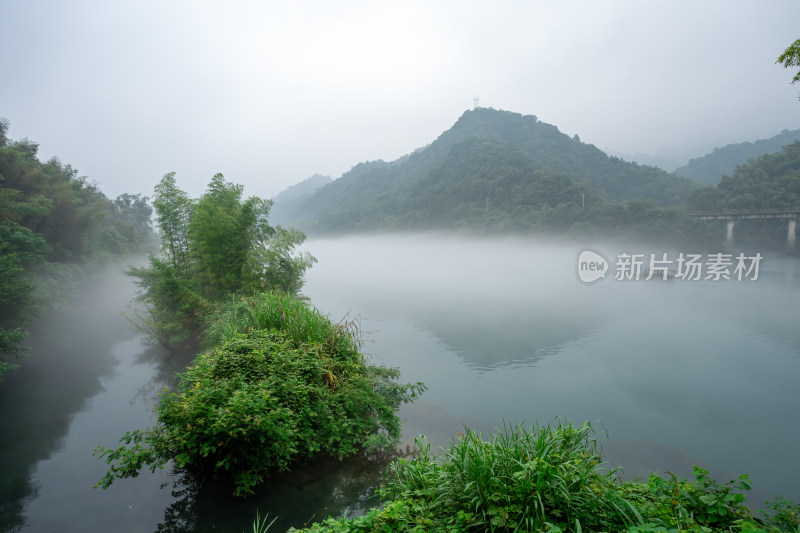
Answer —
677 373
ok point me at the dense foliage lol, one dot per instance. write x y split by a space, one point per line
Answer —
550 479
279 383
613 179
293 386
16 302
211 247
50 217
484 184
710 168
771 181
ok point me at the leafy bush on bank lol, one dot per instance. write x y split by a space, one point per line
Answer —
550 479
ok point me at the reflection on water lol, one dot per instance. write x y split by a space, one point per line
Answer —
496 302
325 487
64 369
487 335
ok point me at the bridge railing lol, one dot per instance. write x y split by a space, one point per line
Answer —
748 213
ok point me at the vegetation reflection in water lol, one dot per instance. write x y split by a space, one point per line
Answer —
324 487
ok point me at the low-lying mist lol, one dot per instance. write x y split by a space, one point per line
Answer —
503 329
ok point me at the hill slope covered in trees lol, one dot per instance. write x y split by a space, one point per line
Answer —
711 167
490 163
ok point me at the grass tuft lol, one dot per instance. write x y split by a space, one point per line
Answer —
519 478
277 310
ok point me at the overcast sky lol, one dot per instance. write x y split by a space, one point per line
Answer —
269 93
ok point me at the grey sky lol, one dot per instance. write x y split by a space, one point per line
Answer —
269 93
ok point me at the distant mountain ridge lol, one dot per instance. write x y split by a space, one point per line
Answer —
489 159
285 201
303 188
711 167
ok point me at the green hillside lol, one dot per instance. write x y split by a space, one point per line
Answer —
771 181
722 161
490 161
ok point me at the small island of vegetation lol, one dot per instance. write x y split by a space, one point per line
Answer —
277 382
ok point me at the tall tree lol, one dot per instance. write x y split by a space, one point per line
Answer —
223 232
135 208
173 208
211 247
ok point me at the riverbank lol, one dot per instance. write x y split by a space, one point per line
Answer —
551 478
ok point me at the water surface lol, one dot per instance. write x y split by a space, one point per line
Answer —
501 330
678 373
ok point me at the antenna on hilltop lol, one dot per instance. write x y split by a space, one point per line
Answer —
476 102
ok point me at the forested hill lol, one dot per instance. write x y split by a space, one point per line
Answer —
722 161
52 221
770 181
489 160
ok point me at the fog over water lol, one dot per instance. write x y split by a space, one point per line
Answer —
86 382
678 372
501 330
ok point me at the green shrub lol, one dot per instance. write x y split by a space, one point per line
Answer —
262 401
678 503
784 514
